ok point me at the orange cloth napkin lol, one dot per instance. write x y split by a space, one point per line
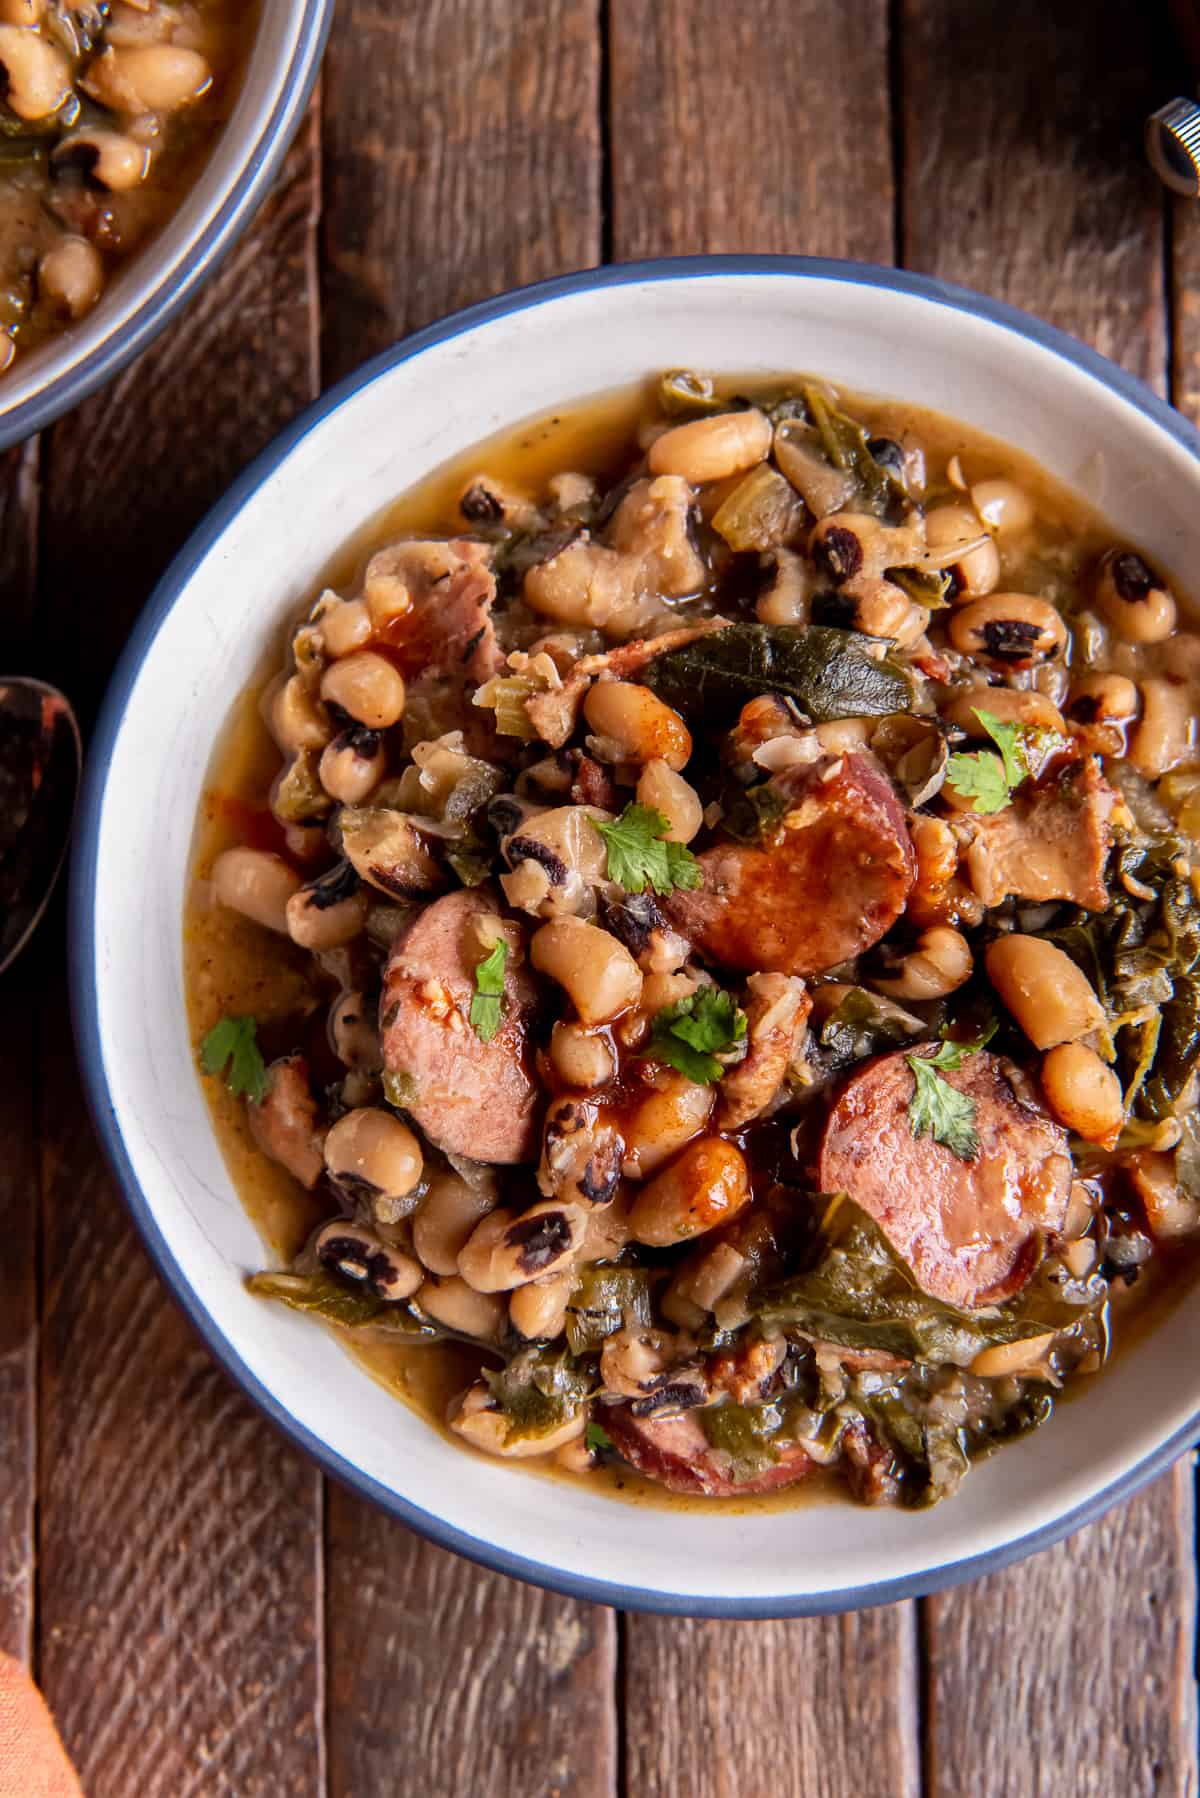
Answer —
33 1763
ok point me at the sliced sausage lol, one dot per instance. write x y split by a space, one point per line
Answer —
675 1452
833 882
967 1229
469 1097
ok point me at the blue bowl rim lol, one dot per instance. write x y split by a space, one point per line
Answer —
62 393
82 938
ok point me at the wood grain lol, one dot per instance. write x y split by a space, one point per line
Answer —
821 1708
462 155
730 132
1073 1671
447 1679
18 1173
179 1613
750 127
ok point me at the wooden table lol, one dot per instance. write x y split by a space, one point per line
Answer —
205 1615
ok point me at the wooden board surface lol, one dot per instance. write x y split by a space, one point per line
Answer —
205 1618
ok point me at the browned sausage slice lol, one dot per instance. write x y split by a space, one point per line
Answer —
675 1452
469 1097
965 1228
835 880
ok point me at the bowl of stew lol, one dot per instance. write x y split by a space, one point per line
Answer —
655 1026
137 138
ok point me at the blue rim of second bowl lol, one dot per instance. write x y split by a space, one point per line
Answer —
63 393
82 937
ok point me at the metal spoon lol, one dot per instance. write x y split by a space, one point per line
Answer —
41 757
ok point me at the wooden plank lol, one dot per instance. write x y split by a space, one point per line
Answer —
1035 191
755 127
444 1678
18 1174
462 156
180 1566
729 133
820 1708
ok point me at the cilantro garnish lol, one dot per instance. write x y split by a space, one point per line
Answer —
232 1046
487 1005
988 778
691 1033
596 1438
639 855
938 1109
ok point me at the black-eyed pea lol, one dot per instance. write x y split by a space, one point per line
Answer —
538 1311
1006 1360
582 1059
328 912
478 1420
353 765
637 721
506 1250
1047 994
34 74
1165 734
938 964
669 1116
882 609
1083 1093
346 627
845 545
712 449
1102 699
582 1146
449 1212
1170 1213
295 719
1134 599
976 565
367 687
257 884
362 1257
1005 508
597 972
370 1153
1011 705
354 1032
665 791
707 1185
458 1307
1008 630
150 78
70 277
109 161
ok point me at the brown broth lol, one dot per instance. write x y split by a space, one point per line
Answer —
232 966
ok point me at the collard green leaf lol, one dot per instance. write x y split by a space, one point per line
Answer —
864 1024
829 673
539 1390
350 1307
603 1300
744 1433
860 1295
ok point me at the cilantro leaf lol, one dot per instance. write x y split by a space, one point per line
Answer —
689 1034
938 1109
639 856
231 1046
487 1005
597 1438
979 777
1009 740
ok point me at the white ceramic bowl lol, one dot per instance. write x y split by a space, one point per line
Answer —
200 640
149 289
